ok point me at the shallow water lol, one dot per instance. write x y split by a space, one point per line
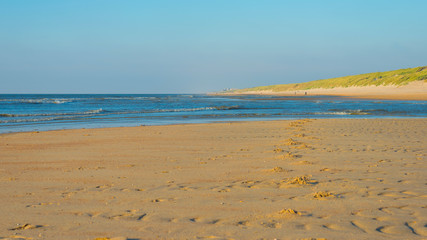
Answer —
28 112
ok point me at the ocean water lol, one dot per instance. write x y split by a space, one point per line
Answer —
27 112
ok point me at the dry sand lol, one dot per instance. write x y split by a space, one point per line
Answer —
305 179
413 91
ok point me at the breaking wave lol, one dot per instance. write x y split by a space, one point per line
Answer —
39 101
22 118
52 114
345 112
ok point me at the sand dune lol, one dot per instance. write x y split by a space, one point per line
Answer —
304 179
413 91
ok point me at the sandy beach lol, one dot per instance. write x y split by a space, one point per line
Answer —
302 179
413 91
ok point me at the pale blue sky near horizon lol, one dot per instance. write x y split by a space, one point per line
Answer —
195 46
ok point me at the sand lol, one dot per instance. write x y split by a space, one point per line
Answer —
413 91
305 179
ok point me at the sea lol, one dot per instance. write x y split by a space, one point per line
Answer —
31 112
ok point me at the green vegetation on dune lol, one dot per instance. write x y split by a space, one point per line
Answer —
396 77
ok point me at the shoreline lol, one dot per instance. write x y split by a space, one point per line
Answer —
284 179
413 91
214 122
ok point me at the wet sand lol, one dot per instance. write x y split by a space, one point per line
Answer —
304 179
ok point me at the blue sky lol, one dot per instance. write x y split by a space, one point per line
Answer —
170 46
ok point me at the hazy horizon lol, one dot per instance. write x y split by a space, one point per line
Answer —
154 47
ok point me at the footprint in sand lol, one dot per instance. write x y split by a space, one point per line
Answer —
299 135
132 215
278 150
394 210
41 204
302 180
302 146
324 195
343 227
25 227
287 212
278 169
302 163
397 229
106 186
169 220
249 183
224 190
195 219
157 200
203 220
271 224
243 223
291 142
289 155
